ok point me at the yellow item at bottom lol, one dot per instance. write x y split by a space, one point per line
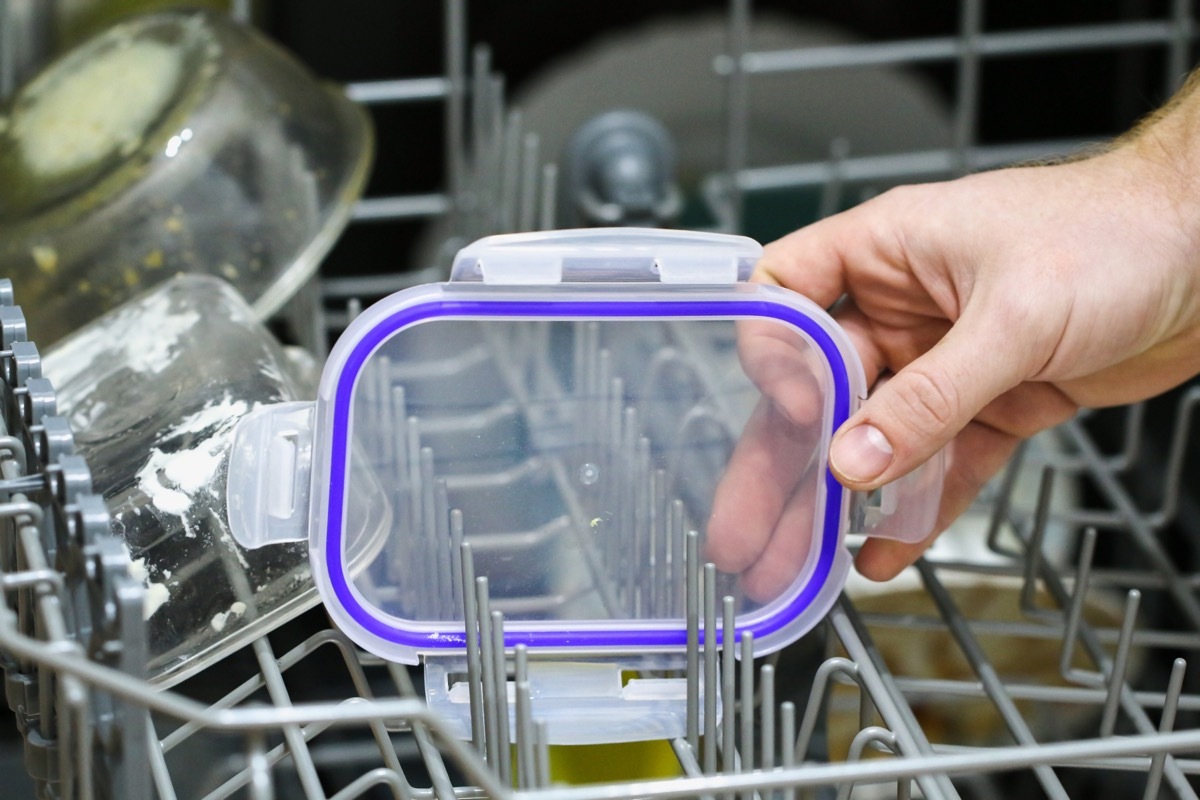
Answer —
605 763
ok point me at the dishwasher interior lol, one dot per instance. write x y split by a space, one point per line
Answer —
1040 649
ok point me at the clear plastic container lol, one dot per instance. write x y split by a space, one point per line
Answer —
572 404
173 142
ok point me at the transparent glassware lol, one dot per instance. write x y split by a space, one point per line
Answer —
174 142
154 391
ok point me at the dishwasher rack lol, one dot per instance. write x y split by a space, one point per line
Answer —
309 715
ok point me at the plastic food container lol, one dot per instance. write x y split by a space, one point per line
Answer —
573 403
155 389
175 142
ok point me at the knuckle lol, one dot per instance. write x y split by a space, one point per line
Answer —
932 404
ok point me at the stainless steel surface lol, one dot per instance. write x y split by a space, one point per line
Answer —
73 644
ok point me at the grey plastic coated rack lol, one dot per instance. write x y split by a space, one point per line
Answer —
1055 672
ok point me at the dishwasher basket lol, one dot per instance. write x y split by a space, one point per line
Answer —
1039 650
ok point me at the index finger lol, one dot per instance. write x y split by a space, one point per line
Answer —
810 261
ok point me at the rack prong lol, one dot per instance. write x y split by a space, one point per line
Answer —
530 162
787 748
1075 611
710 669
525 732
746 668
1033 551
1000 505
1120 665
549 196
487 673
542 754
500 674
728 687
693 640
1170 706
766 679
471 619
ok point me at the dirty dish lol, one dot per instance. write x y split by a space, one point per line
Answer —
174 142
153 391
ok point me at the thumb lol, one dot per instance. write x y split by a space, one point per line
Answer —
924 405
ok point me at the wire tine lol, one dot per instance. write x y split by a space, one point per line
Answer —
831 191
530 172
642 543
1175 458
429 562
398 447
766 678
1087 551
710 669
487 674
480 129
471 619
816 698
862 740
414 471
728 687
1132 444
510 166
747 704
446 559
525 742
500 672
455 54
456 575
737 113
525 732
378 381
481 67
495 156
1170 706
674 546
261 787
1116 681
542 754
1033 551
662 590
602 411
787 733
546 220
1000 505
692 565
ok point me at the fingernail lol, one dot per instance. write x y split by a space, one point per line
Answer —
861 454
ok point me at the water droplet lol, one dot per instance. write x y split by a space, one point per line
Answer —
589 474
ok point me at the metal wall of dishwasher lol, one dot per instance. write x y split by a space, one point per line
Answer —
1041 650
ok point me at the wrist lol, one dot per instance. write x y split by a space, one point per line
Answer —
1161 155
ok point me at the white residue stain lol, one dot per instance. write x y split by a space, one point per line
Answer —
174 480
220 619
156 593
143 336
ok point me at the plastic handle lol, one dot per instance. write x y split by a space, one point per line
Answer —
906 509
608 255
269 468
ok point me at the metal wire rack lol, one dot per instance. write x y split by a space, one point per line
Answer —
1050 660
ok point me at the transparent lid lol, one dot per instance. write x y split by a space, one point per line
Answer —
574 433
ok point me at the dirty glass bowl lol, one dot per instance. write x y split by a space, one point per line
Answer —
174 142
153 391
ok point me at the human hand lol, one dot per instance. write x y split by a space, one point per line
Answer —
997 304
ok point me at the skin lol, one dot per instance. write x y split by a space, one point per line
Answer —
996 306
